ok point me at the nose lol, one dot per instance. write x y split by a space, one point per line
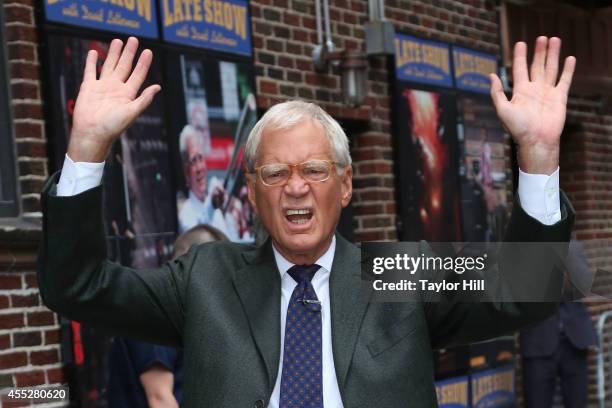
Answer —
296 186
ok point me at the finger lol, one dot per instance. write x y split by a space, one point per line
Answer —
566 76
141 103
114 50
140 71
539 59
552 61
519 64
497 92
124 65
90 66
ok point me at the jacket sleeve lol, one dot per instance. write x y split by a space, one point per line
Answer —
522 287
77 281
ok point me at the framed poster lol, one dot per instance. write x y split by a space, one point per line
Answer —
427 160
138 199
209 131
132 17
482 169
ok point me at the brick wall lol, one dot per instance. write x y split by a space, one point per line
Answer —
29 333
587 180
284 34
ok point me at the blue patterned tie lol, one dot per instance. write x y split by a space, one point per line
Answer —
301 383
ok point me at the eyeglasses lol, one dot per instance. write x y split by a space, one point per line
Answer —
279 173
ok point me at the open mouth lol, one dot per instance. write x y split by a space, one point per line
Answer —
298 216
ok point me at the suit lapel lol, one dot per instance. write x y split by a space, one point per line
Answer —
258 286
347 304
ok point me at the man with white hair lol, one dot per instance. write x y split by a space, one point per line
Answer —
283 324
201 206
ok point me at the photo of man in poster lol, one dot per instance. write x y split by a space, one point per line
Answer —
202 206
219 111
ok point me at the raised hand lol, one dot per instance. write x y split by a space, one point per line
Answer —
535 115
105 107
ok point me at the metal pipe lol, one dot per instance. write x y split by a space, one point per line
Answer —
328 36
319 23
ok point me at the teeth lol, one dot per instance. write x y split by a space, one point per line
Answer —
300 221
297 212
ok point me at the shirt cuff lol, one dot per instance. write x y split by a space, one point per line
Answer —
78 177
539 195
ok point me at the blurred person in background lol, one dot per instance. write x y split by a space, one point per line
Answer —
558 347
148 375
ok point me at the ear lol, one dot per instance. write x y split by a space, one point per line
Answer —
347 185
250 180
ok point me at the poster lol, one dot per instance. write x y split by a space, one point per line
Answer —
219 111
472 69
493 388
138 198
453 392
422 61
133 17
221 25
483 170
428 157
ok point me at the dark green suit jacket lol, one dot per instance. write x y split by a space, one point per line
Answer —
221 302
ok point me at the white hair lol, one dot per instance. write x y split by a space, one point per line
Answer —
189 132
284 116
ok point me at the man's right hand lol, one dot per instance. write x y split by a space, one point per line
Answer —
105 107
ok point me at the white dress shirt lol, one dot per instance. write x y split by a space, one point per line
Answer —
539 195
320 283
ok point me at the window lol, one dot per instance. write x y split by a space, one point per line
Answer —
9 206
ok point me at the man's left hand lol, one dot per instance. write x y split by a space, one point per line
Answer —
535 115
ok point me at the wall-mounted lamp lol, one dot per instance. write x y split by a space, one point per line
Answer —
353 67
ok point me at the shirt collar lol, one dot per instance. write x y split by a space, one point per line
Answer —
325 261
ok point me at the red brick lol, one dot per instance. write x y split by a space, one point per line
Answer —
31 281
21 51
368 209
24 70
292 19
55 375
13 13
13 360
370 236
40 318
10 282
52 336
268 87
29 186
25 300
5 342
24 90
4 302
20 33
44 357
26 339
30 378
11 321
31 148
378 222
27 110
28 130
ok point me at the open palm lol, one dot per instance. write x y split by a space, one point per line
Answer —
535 115
105 107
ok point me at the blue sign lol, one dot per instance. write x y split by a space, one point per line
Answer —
133 17
472 69
453 393
222 25
423 61
493 388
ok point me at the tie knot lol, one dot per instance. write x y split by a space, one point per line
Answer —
303 273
